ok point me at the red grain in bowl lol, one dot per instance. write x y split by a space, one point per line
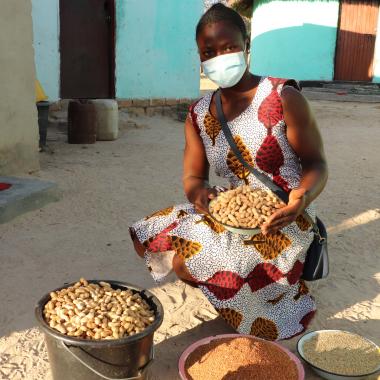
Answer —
240 359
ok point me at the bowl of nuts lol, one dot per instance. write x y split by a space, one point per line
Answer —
243 210
99 327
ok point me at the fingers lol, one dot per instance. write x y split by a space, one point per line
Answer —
200 209
205 195
274 227
281 213
201 206
220 189
283 217
213 193
203 199
278 220
285 220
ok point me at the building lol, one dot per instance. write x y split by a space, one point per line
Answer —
18 112
144 50
317 40
126 49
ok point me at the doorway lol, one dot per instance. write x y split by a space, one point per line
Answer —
356 40
87 46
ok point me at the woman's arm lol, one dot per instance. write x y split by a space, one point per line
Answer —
305 139
196 170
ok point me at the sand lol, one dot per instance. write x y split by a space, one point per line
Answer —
107 186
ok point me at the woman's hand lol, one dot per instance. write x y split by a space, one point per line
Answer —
202 199
286 215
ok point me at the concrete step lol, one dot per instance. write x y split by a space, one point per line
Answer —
25 195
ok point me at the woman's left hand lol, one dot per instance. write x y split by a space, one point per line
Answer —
286 215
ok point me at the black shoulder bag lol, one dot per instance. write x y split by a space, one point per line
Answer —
316 264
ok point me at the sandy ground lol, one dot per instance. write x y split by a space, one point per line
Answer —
107 186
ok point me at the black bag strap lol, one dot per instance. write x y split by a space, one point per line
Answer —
280 193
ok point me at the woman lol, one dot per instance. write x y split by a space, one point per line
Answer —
255 285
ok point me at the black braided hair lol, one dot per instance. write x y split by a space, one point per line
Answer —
219 12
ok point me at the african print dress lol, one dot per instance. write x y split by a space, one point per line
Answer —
254 283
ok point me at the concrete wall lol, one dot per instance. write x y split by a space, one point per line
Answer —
376 77
295 39
45 15
18 113
156 54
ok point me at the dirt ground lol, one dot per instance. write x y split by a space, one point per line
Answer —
107 186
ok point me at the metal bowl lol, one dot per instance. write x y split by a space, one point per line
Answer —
326 374
236 230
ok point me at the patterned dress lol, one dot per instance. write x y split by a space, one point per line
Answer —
254 283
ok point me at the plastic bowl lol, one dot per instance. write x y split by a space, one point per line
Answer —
236 230
191 348
326 374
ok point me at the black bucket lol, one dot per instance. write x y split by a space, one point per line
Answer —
80 359
43 121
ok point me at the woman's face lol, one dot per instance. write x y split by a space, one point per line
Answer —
219 38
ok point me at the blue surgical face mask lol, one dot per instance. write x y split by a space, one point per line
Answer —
225 70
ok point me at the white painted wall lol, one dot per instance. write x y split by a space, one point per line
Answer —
45 15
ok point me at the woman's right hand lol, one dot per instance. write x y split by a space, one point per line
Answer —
202 199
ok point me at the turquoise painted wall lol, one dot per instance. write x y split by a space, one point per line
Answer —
376 77
45 14
294 39
156 54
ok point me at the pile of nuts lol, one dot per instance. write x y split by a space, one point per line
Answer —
245 207
96 311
